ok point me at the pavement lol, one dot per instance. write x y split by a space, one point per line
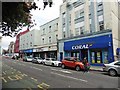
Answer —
96 68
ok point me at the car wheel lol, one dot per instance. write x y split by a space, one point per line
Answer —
77 68
43 63
112 72
63 66
53 64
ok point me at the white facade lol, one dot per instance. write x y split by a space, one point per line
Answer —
11 48
49 34
48 38
0 45
80 17
29 40
41 42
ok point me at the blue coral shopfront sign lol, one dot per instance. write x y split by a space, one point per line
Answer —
104 41
28 51
84 46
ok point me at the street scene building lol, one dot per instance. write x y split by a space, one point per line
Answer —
83 29
89 29
28 41
48 36
11 48
0 45
80 48
41 43
17 42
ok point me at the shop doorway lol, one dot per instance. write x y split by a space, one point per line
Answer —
84 53
96 57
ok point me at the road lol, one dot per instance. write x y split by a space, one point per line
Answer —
27 75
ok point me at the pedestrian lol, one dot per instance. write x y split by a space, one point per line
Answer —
85 63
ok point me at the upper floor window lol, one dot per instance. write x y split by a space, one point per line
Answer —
44 31
77 31
50 29
43 40
63 19
56 36
64 34
101 25
57 25
82 30
79 13
49 39
70 19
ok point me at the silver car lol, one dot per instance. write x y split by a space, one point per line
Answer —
113 68
52 62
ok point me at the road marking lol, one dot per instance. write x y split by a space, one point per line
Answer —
18 77
34 79
36 68
43 86
70 77
19 72
11 78
4 73
4 79
62 71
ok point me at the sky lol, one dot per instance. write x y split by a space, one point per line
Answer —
40 16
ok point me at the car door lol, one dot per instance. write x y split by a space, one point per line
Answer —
50 62
67 61
117 65
71 62
47 61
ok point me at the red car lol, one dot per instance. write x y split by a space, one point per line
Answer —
73 62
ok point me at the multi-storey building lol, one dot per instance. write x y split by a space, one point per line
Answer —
89 28
16 49
0 45
11 48
48 39
28 41
43 42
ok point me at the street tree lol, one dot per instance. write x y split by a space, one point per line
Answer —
16 15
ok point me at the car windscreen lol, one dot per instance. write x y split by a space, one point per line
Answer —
53 59
29 57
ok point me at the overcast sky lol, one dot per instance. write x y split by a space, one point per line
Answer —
40 16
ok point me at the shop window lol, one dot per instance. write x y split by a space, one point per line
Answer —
105 57
96 57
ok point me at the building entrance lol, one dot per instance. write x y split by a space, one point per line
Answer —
84 53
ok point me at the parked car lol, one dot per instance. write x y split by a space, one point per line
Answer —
113 68
52 62
73 62
27 58
37 60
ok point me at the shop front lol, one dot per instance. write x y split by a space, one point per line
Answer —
45 52
28 52
97 49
